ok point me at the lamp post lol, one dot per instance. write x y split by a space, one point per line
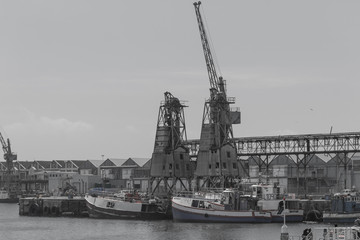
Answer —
284 231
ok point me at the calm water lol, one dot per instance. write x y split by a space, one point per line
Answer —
15 227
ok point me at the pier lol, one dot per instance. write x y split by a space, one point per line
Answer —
53 206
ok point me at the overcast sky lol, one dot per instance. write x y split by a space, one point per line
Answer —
80 79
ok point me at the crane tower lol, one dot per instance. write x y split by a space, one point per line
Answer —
217 157
170 161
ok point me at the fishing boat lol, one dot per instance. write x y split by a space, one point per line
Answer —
345 208
229 206
271 201
124 206
5 197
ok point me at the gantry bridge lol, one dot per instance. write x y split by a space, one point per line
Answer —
300 148
307 144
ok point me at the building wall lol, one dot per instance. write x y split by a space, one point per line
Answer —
58 180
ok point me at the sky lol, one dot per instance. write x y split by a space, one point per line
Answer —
81 79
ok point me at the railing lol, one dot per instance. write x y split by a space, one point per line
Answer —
331 233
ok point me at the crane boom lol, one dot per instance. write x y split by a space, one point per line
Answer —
215 82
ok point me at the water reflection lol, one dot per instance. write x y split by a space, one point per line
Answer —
15 227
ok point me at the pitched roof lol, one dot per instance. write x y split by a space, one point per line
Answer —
314 160
141 161
43 164
118 162
61 163
254 160
337 160
282 160
96 162
23 164
356 157
83 164
147 164
130 163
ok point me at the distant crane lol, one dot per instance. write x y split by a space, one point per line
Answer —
170 162
217 157
9 157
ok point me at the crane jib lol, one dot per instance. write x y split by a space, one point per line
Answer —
215 82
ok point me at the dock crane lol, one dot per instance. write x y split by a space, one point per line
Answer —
170 160
9 157
217 157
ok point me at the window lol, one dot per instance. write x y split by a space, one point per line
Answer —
224 165
110 204
356 141
181 156
217 165
170 166
277 145
209 166
195 203
234 166
228 154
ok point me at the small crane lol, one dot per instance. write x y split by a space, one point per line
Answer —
9 157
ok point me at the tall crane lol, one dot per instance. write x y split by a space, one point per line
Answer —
217 157
170 160
9 157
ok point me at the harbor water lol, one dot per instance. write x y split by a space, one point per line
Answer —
15 227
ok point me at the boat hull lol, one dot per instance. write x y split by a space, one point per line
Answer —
188 214
340 217
9 200
289 218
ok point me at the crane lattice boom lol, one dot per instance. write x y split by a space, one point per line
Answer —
216 83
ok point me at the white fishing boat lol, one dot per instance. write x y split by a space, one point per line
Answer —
227 206
5 197
110 206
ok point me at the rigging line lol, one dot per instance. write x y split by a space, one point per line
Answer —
213 52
